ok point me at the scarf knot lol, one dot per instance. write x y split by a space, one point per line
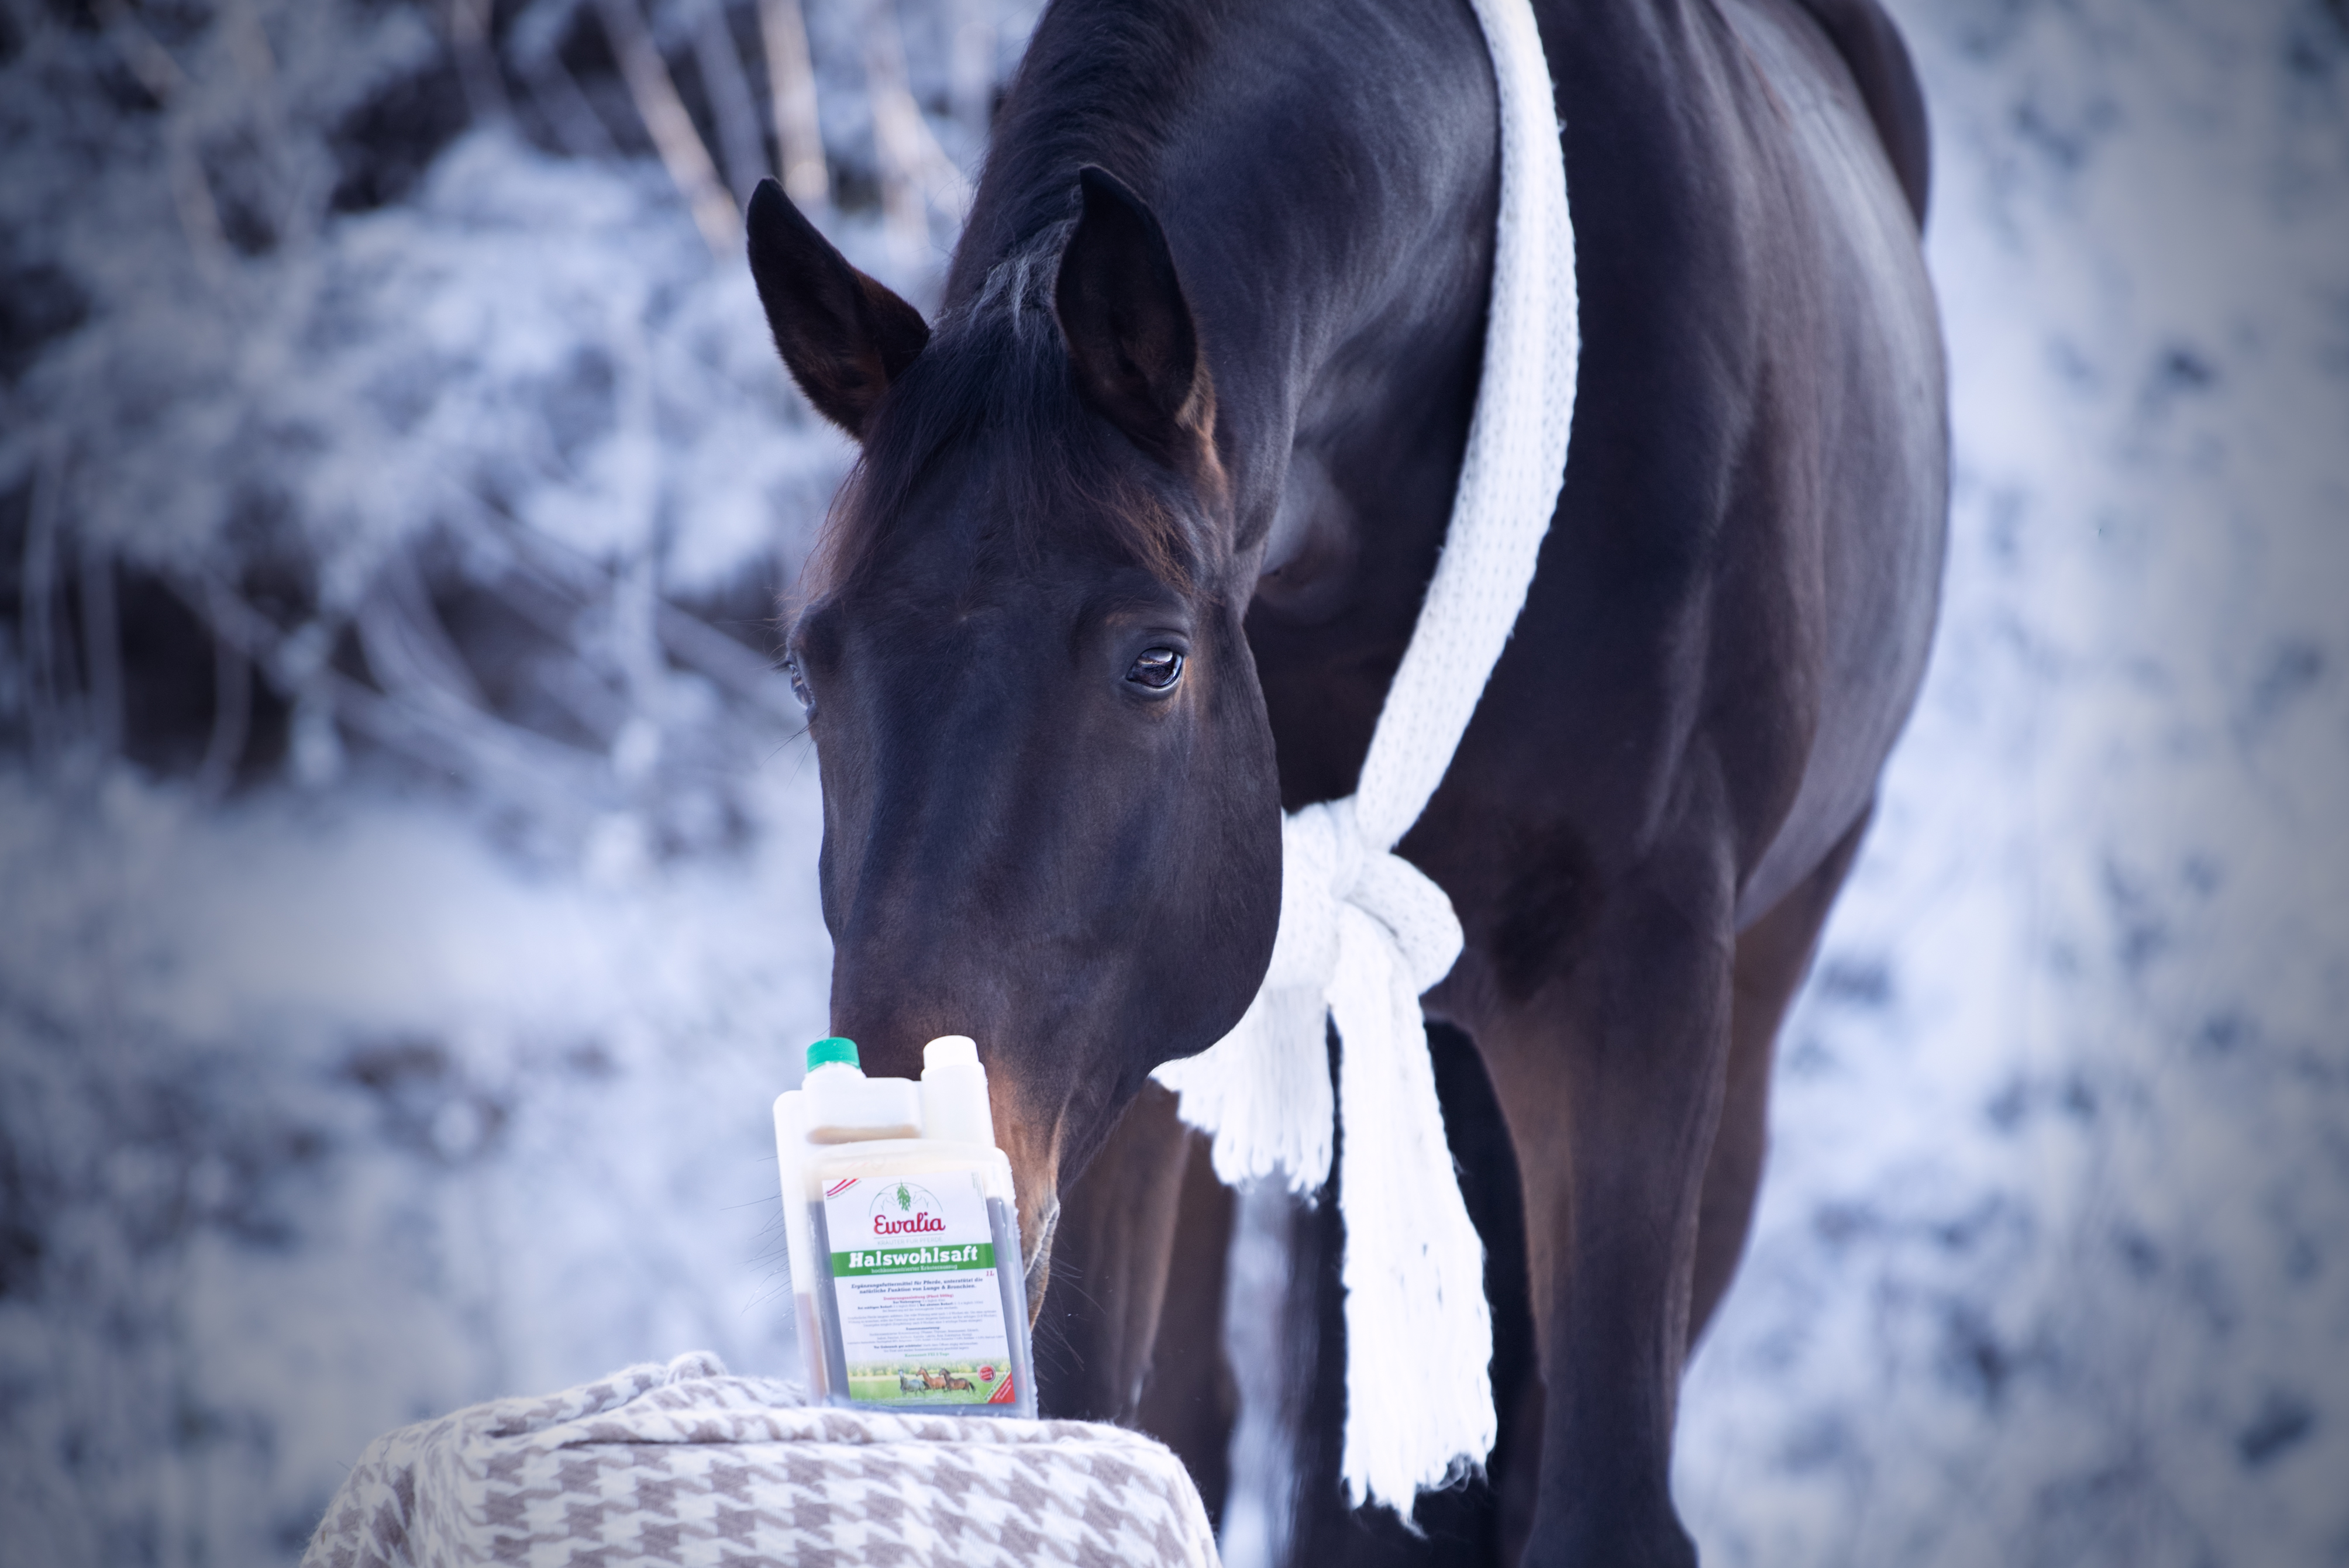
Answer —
1328 869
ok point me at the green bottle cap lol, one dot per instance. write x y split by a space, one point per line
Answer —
825 1052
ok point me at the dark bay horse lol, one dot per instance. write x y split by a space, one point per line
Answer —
1139 536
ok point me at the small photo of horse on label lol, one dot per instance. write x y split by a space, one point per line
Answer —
935 1383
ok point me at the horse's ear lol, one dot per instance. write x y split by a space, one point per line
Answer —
844 336
1132 344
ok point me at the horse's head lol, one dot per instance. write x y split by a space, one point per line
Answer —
1052 820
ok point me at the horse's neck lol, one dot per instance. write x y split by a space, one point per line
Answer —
1331 215
1324 173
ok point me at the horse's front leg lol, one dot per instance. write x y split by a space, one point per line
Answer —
1608 1062
1111 1253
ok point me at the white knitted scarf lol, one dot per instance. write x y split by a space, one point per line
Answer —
1363 932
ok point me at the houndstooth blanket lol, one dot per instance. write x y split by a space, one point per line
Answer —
683 1465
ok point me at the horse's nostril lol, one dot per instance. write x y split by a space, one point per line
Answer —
1040 1243
1039 1256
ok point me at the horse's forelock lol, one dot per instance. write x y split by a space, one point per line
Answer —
1019 288
996 371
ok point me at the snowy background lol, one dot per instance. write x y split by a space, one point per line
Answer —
407 900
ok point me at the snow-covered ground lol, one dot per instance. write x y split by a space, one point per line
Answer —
423 1054
2053 1263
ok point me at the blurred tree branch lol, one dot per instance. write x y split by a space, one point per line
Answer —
679 144
790 77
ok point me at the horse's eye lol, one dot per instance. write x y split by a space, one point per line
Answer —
800 688
1157 668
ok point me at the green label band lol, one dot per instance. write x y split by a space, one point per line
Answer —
913 1260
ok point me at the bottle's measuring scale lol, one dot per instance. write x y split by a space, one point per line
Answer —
904 1241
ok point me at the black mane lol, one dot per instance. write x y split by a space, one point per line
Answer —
1099 84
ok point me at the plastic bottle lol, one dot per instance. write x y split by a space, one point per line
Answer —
904 1236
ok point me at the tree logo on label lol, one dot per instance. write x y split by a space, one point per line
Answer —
903 1210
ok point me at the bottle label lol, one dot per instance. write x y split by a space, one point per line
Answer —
912 1271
